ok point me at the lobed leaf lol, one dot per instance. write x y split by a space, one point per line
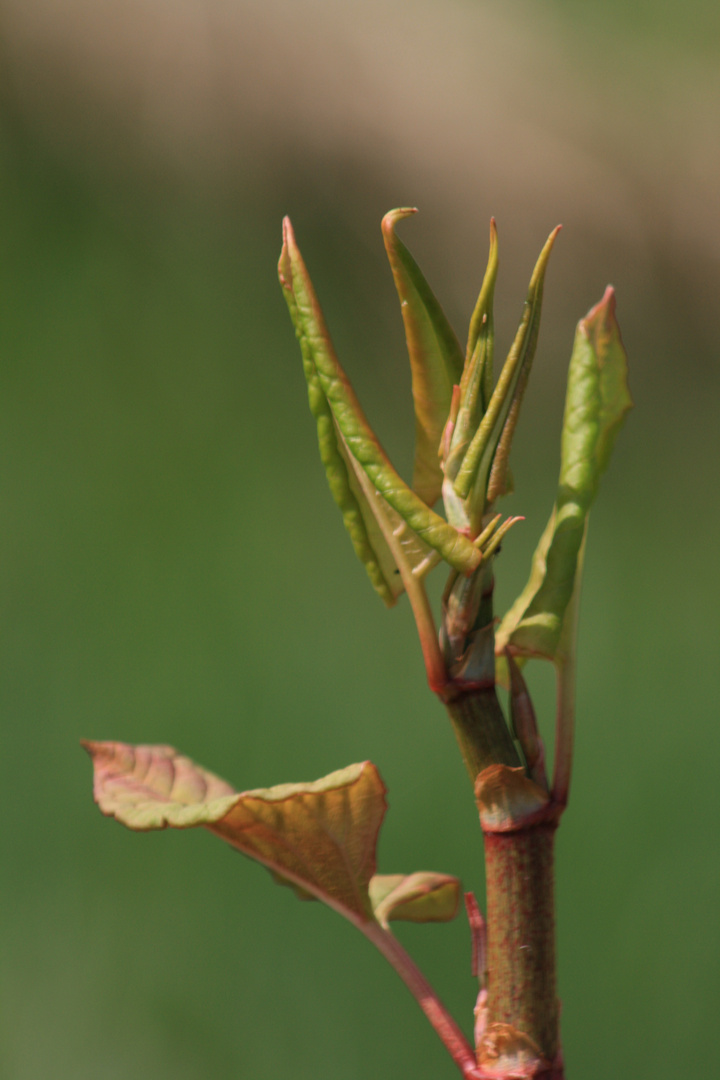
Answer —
420 897
436 360
360 440
596 403
320 837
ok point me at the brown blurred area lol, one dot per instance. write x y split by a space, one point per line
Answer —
533 113
479 107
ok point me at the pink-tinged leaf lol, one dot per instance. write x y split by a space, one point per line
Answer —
420 897
436 361
320 836
153 787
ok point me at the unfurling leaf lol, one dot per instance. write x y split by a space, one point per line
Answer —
401 552
436 360
320 836
595 406
490 445
476 385
482 316
421 897
367 541
324 373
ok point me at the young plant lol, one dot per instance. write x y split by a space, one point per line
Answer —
321 837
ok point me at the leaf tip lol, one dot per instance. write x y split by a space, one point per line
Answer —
552 238
393 216
94 748
605 307
285 261
601 328
541 264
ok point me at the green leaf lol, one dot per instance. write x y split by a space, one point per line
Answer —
320 837
420 897
476 385
482 316
436 360
595 406
368 543
360 440
405 551
495 432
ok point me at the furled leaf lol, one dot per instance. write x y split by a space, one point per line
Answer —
496 429
359 437
436 361
476 385
596 403
405 550
320 837
482 316
421 897
367 541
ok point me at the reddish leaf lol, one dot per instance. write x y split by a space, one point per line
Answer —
320 836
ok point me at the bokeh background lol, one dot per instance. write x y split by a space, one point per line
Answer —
172 566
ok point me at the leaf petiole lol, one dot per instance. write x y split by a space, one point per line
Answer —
445 1025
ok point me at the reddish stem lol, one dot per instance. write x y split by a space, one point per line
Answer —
522 995
453 1038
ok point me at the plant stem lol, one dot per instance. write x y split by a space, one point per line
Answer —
481 731
520 1037
521 937
469 695
446 1027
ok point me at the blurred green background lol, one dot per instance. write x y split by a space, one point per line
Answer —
172 566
